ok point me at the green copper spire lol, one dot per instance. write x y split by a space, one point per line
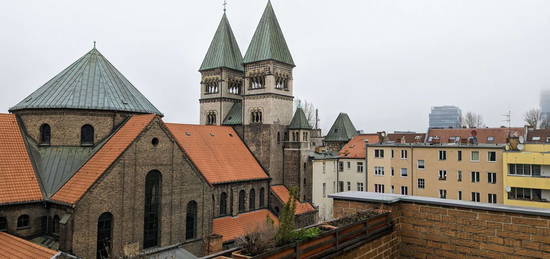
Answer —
268 42
299 121
342 129
224 50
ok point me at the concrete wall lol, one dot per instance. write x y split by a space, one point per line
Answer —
325 177
352 175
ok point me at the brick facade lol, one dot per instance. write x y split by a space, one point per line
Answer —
384 247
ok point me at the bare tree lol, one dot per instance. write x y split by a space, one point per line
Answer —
533 117
309 110
472 120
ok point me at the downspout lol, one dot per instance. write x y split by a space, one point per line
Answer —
412 169
366 166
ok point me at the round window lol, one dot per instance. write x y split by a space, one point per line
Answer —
155 141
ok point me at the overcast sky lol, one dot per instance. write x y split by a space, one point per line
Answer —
384 62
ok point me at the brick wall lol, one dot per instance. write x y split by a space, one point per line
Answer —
384 247
432 231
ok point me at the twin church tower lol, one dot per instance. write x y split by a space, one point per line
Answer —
254 95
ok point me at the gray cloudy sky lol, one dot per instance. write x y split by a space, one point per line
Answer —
384 62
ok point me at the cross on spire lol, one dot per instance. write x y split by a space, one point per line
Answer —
224 5
94 44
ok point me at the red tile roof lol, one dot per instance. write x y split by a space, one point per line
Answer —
284 195
18 181
233 227
86 176
14 247
483 134
409 137
355 148
218 152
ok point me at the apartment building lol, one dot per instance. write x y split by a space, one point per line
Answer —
351 165
324 179
449 171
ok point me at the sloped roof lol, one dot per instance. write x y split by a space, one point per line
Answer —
299 121
18 181
235 115
268 42
355 148
483 134
538 136
409 137
231 228
218 152
284 195
342 129
224 50
15 248
90 83
88 174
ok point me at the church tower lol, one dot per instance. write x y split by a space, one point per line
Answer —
221 76
267 94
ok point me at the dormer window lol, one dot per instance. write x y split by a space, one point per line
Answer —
256 116
257 82
212 87
87 135
45 134
211 118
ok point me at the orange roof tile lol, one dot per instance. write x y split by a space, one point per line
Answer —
284 195
483 134
234 227
218 152
14 247
88 174
18 181
409 137
355 148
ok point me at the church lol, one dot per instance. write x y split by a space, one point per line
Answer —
89 168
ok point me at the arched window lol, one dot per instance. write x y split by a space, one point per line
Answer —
252 200
104 235
152 209
55 225
23 221
256 116
278 137
191 220
242 197
45 134
3 224
87 135
211 118
223 203
262 199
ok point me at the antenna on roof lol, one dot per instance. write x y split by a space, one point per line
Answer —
508 119
224 5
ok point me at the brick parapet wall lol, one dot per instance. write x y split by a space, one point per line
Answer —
386 246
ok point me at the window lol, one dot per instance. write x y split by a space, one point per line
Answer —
421 183
392 189
211 87
340 186
359 167
223 204
490 139
256 116
104 235
443 194
420 164
526 194
262 199
281 83
475 196
442 155
349 165
87 135
191 221
475 177
492 178
392 153
459 176
459 195
378 170
349 186
379 153
324 190
403 171
524 169
55 225
492 156
475 156
242 197
459 155
403 154
324 167
152 209
3 224
360 187
257 82
252 199
340 166
442 175
404 190
45 134
234 86
379 188
154 141
492 198
304 136
23 221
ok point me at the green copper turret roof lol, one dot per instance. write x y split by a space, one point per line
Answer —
342 129
299 121
224 50
268 42
90 83
235 115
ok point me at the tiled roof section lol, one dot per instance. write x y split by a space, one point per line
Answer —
268 42
355 148
235 115
342 129
538 136
231 228
299 121
284 195
218 152
90 83
18 181
409 137
88 174
15 248
484 135
224 50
